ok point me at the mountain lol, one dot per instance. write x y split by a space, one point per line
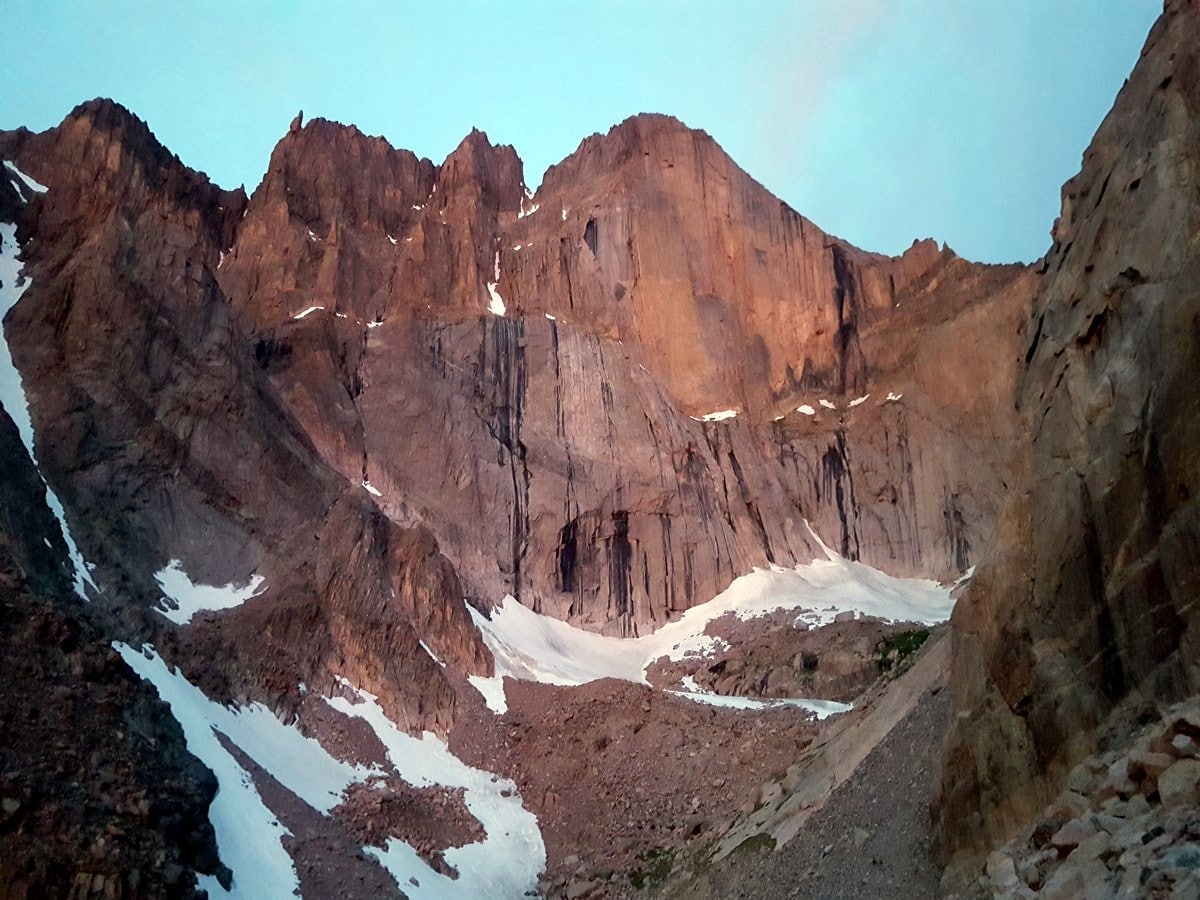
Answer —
435 509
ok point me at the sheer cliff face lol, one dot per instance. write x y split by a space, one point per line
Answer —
309 385
1086 616
553 449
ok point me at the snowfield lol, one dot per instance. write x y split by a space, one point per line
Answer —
532 647
183 598
506 863
249 836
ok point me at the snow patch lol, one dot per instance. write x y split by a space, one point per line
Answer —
806 410
720 416
12 389
564 215
311 236
826 404
309 311
419 206
822 709
374 324
551 318
892 398
371 489
248 833
392 239
496 306
432 655
859 400
528 212
506 863
249 836
221 261
23 182
539 648
184 598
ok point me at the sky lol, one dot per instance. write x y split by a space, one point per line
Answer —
883 121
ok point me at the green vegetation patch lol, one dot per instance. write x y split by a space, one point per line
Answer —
894 649
756 843
659 862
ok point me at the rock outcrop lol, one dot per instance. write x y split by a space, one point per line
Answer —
1124 826
1085 617
524 374
164 440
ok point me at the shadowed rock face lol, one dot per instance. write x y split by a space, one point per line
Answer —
1085 617
98 790
553 450
165 441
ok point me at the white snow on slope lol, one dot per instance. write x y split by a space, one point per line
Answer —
806 410
892 398
720 416
858 400
534 647
496 306
432 655
248 834
371 489
506 863
822 709
23 182
184 598
827 404
12 390
309 311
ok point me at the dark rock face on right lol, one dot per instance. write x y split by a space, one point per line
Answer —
1086 617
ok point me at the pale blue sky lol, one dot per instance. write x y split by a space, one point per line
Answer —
881 120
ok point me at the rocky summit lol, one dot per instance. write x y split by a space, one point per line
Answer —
399 530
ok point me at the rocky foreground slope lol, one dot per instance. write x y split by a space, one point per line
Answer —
325 464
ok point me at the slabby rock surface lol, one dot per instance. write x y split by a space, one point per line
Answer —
1085 616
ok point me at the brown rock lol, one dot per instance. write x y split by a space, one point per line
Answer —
1086 600
1147 765
1072 834
1179 786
